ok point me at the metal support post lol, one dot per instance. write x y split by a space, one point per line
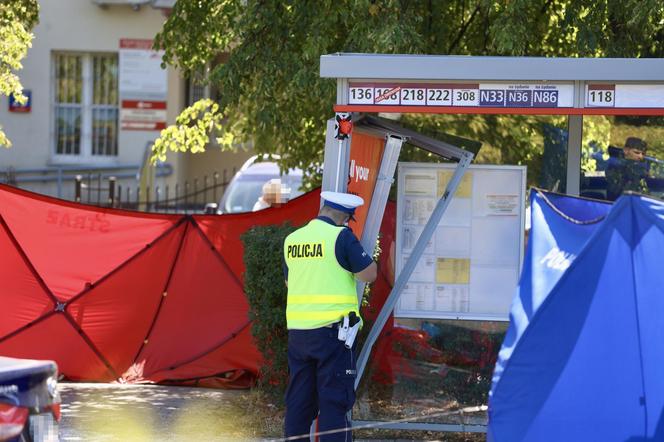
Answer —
111 191
77 188
335 173
574 142
59 181
378 201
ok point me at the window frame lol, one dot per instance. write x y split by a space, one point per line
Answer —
87 106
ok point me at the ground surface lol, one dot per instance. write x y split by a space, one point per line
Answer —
116 412
113 412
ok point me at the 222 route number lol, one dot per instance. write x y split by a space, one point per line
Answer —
439 97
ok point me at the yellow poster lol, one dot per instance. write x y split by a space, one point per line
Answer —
453 271
465 187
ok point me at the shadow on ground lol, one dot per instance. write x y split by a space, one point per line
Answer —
115 412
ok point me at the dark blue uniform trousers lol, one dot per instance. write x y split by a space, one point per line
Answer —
322 376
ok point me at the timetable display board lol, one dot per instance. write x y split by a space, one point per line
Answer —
490 95
471 266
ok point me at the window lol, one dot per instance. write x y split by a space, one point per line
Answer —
621 154
197 92
86 106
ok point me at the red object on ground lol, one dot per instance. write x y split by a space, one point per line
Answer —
117 295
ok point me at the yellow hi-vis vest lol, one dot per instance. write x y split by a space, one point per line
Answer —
320 291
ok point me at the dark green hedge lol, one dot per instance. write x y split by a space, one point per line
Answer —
266 292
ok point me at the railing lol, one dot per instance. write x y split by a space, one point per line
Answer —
195 196
61 175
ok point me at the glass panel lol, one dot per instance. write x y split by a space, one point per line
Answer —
95 74
68 97
105 101
105 79
425 370
113 80
68 130
197 92
537 141
104 131
72 79
78 81
59 74
620 154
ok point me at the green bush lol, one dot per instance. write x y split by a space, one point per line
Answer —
266 292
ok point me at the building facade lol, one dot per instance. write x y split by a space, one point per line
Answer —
97 100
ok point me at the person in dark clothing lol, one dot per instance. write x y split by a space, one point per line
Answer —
628 172
322 261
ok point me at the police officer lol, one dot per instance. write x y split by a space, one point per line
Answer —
629 171
322 261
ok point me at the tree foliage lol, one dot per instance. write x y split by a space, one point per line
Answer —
17 18
271 93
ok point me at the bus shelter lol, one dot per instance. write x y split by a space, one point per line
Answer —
364 161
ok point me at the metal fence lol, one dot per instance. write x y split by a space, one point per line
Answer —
195 196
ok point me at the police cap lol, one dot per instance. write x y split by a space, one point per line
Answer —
344 202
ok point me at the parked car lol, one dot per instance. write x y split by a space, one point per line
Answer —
246 186
29 400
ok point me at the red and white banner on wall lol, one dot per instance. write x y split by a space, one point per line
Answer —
143 115
143 86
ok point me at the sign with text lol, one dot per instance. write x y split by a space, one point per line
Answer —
490 95
143 115
625 95
143 86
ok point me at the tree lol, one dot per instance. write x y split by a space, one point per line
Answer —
271 93
17 18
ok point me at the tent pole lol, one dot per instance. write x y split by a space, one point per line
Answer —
187 222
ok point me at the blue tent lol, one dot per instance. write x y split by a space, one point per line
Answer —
583 358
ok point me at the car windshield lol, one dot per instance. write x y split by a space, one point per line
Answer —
243 193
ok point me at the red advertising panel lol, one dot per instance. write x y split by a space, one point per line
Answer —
366 152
